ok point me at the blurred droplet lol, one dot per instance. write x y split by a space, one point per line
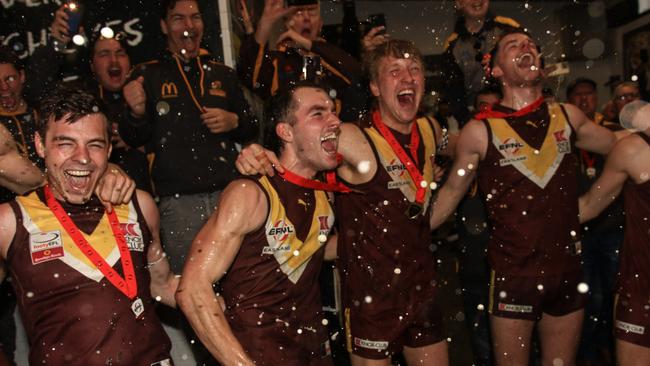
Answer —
593 48
107 32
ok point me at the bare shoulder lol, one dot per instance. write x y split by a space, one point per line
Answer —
576 116
473 136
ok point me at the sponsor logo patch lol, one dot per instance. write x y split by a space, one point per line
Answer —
514 308
629 327
509 161
563 144
396 185
364 343
46 246
133 236
168 90
271 250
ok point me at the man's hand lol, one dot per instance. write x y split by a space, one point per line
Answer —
254 159
218 120
114 187
59 27
374 38
291 37
135 97
274 10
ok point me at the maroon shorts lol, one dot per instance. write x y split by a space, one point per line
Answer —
632 319
527 297
378 335
283 344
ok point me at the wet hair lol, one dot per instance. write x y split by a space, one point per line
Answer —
8 56
506 32
579 81
69 102
167 5
280 108
397 48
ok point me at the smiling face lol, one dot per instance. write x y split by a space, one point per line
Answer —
76 156
473 9
399 87
183 26
314 130
110 63
306 21
517 61
11 88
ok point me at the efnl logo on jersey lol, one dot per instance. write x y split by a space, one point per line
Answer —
277 235
133 236
46 246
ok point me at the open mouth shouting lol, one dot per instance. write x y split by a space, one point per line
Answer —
330 142
406 97
115 73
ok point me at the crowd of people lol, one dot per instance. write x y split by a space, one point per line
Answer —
343 166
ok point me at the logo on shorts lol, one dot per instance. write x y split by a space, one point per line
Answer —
514 308
629 327
133 236
364 343
46 246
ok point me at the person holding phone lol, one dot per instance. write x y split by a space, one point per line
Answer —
299 53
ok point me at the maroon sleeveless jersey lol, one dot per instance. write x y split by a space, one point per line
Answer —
634 271
385 257
529 184
271 290
72 314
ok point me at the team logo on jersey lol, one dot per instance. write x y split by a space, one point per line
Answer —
394 166
215 89
510 148
133 236
46 246
169 90
280 231
563 144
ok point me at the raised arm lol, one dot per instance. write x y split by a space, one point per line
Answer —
470 149
590 136
608 186
17 173
163 281
242 209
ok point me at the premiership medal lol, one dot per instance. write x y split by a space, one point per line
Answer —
591 172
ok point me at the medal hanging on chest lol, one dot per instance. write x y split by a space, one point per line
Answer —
416 207
127 285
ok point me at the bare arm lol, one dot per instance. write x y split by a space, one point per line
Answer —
470 149
7 232
590 136
610 183
163 282
17 173
242 209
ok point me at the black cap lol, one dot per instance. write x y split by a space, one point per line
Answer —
572 85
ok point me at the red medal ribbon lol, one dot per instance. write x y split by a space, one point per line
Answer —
489 113
332 185
401 154
588 158
128 285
